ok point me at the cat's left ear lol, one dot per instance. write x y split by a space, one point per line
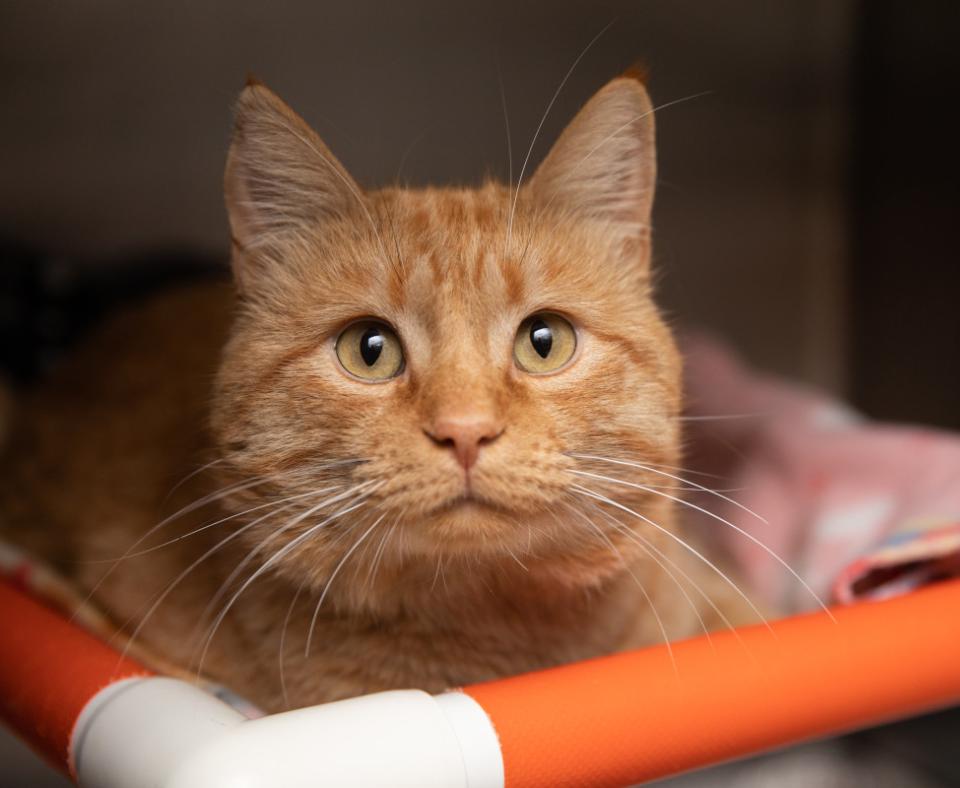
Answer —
604 167
281 182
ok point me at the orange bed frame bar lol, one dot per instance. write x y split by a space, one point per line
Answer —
610 721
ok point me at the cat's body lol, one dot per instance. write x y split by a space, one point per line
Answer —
446 523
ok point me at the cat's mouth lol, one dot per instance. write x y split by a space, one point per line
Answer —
483 498
469 500
470 510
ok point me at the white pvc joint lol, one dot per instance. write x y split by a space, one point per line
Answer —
479 745
165 733
137 732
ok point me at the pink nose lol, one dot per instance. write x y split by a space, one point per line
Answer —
464 434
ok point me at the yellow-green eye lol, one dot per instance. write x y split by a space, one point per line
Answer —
544 343
370 350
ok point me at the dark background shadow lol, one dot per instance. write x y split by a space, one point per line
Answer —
117 117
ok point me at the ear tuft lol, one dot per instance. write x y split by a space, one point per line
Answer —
639 71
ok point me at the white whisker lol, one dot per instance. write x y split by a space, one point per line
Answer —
720 519
648 547
283 638
623 127
277 556
191 475
543 119
273 535
336 571
436 573
378 554
171 586
347 182
646 595
689 548
514 556
191 507
506 123
720 417
693 484
221 521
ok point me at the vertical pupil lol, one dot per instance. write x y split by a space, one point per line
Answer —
371 346
541 337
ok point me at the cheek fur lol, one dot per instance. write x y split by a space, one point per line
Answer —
307 416
292 411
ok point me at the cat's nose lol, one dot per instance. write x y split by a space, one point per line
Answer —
465 434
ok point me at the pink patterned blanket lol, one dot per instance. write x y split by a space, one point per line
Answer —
858 509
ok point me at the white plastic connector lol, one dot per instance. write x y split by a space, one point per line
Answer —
137 732
164 733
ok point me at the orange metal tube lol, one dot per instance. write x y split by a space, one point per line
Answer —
49 670
611 721
640 716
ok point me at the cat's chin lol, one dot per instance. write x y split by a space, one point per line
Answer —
471 524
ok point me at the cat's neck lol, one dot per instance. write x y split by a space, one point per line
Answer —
456 593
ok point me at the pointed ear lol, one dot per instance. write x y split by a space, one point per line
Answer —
280 181
603 167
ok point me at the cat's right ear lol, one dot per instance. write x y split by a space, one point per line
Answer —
281 182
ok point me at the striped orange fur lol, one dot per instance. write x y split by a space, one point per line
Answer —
371 553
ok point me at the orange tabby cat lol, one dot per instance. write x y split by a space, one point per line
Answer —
401 410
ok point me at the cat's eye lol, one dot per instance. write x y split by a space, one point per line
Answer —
370 350
545 342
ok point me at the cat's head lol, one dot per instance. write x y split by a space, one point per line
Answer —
411 370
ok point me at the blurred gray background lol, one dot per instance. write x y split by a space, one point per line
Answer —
116 118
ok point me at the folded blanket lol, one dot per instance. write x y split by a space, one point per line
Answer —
858 509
